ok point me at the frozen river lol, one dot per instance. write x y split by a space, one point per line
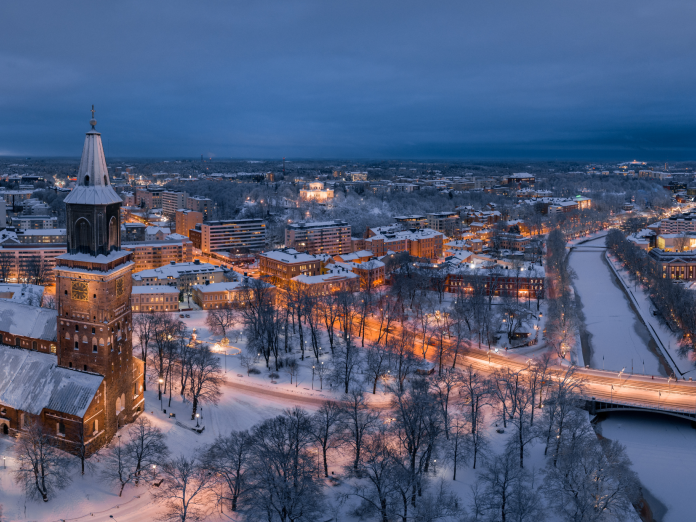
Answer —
613 336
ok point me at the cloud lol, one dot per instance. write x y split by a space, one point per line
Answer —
353 79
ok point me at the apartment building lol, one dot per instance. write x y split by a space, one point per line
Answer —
235 235
200 204
150 197
27 263
185 220
52 235
34 222
444 222
321 237
280 266
153 254
333 279
412 221
14 199
172 201
678 224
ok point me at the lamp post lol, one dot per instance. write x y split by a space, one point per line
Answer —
197 425
312 376
611 399
161 380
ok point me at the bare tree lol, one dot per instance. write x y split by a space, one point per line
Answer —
359 420
42 468
146 447
378 494
230 458
328 429
476 392
119 467
143 324
220 320
592 482
286 473
442 389
346 362
293 369
205 379
403 362
377 364
184 489
246 362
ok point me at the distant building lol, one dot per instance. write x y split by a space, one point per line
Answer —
156 233
445 222
172 201
332 279
34 222
53 235
216 295
316 192
323 237
234 235
186 219
200 204
519 178
153 254
412 221
133 232
280 266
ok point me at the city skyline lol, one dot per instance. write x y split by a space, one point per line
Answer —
319 81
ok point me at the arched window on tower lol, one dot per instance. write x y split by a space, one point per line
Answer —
106 182
113 233
86 181
83 236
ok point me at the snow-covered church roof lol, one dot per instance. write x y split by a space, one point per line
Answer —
31 381
93 186
27 320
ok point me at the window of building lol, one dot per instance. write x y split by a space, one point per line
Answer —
61 429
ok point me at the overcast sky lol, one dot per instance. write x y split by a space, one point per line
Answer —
351 79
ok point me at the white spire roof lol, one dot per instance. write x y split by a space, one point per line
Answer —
93 185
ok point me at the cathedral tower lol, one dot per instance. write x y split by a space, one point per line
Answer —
93 288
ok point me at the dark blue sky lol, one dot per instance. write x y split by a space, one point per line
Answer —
353 79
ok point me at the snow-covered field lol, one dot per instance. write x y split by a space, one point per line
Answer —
617 337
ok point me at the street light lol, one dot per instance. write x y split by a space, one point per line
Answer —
197 425
161 380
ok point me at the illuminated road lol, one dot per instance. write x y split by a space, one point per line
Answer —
640 391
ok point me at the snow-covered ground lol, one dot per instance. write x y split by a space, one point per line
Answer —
617 337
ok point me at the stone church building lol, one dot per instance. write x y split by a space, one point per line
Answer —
88 383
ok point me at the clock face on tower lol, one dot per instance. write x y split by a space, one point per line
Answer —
119 287
80 290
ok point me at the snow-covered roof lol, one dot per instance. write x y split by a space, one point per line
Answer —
176 270
159 289
289 255
27 321
155 230
114 255
226 286
31 381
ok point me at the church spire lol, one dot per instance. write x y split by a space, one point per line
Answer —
93 185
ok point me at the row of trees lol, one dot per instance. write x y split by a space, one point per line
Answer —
278 470
675 303
562 321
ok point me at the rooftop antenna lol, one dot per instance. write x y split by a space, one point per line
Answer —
93 122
